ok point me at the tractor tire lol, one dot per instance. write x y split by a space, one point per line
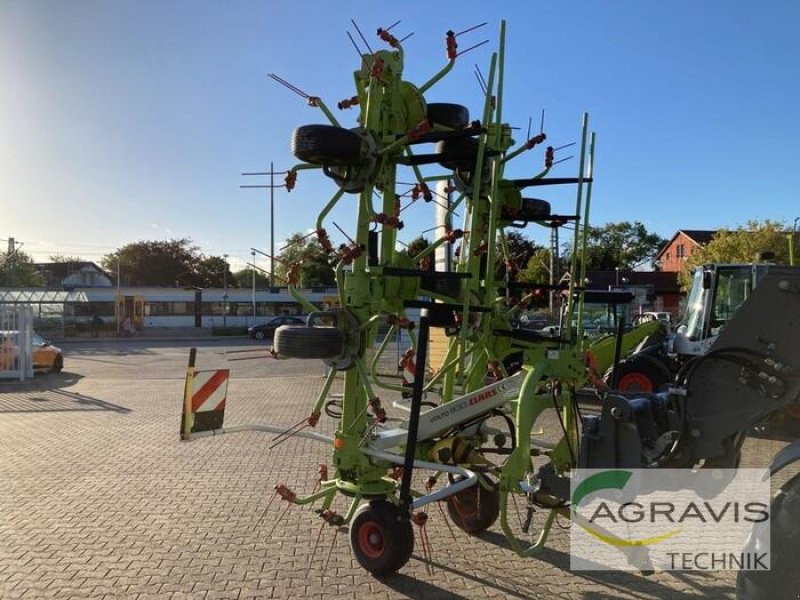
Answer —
533 208
475 508
454 116
381 537
639 373
299 341
783 578
458 153
326 145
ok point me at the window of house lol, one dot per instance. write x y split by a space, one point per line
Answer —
681 251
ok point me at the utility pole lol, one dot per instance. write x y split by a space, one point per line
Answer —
791 241
253 253
225 292
9 258
118 304
272 172
10 261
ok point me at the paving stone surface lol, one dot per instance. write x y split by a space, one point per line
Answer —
100 499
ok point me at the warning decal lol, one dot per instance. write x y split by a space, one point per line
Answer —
204 401
209 390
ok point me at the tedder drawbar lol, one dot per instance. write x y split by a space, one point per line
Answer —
470 424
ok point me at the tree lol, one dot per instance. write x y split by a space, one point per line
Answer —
537 270
622 245
164 263
62 259
304 254
416 246
520 251
213 272
740 246
244 278
18 270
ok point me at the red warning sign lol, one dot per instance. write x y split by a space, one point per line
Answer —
204 401
209 390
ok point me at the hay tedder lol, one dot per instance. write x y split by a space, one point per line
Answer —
469 426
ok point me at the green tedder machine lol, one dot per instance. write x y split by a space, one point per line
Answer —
469 426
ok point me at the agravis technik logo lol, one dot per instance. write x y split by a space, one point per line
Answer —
670 519
610 480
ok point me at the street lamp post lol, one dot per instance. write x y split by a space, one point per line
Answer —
225 292
253 253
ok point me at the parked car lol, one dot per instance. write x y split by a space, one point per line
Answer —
46 356
267 329
551 331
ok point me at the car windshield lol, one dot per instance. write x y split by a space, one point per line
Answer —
37 340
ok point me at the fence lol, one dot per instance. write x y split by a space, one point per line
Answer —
16 349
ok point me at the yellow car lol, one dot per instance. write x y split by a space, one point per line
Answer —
46 357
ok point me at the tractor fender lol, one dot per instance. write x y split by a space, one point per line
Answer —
788 455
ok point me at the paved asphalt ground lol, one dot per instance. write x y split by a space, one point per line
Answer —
100 499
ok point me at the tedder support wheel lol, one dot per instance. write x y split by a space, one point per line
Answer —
533 208
639 373
454 116
307 342
475 508
381 537
326 145
783 578
458 153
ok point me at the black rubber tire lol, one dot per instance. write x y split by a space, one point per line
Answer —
639 373
260 335
326 145
299 341
58 364
533 208
458 153
381 537
454 116
783 578
476 508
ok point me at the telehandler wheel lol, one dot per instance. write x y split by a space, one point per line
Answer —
454 116
381 537
639 373
299 341
476 508
326 145
783 578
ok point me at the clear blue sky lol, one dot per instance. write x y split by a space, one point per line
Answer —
129 120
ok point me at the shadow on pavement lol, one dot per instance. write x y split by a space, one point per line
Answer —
415 588
631 582
45 393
